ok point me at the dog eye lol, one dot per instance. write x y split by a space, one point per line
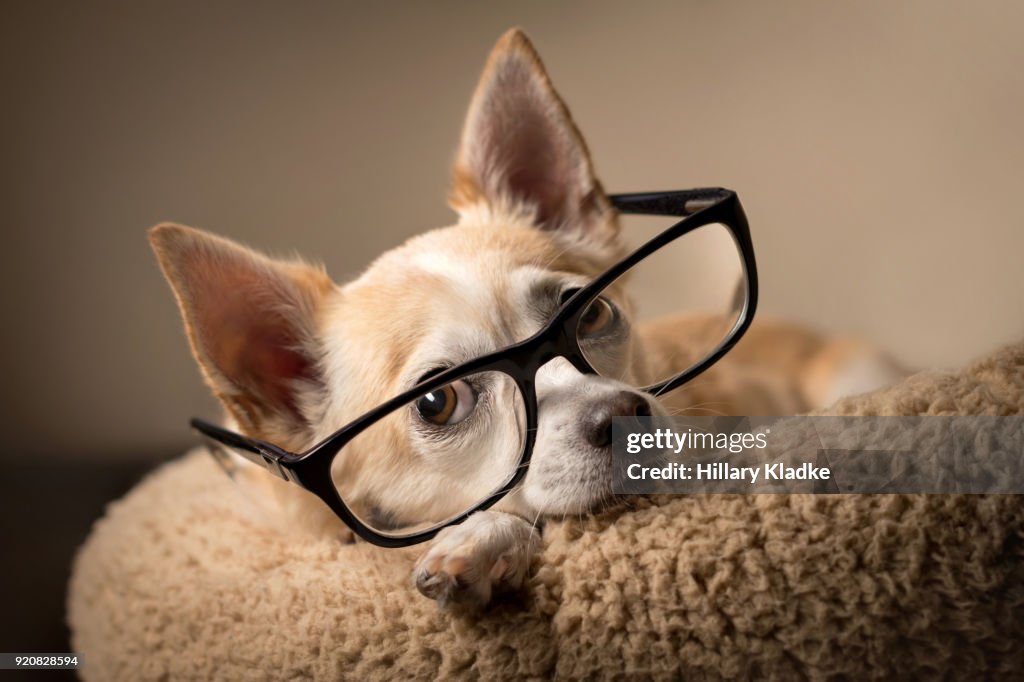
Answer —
596 318
448 405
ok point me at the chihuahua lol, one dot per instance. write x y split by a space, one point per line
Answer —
292 356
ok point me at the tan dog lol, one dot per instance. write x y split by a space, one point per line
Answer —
293 357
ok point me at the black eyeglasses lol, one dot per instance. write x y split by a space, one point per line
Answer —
462 438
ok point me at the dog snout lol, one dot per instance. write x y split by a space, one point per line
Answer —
597 427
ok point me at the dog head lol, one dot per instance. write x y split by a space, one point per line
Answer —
293 356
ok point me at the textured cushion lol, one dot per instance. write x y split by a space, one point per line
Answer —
187 578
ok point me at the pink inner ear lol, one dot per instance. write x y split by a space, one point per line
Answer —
537 171
243 332
523 151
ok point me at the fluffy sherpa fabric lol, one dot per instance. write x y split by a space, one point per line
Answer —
182 581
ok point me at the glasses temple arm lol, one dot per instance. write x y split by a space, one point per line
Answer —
265 455
680 203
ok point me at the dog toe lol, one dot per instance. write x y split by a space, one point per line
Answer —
466 563
453 580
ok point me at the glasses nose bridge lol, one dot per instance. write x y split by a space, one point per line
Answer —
543 350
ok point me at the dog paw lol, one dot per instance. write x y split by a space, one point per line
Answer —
488 552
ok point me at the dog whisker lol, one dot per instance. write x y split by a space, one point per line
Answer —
679 410
717 413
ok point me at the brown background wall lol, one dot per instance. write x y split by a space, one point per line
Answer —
877 147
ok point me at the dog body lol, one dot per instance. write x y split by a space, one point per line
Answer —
294 357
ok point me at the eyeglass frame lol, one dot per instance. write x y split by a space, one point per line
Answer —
520 361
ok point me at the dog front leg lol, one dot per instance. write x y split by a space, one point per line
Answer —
490 551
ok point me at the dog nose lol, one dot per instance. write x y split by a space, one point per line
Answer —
597 427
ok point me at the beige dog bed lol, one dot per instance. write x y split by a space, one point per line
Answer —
184 579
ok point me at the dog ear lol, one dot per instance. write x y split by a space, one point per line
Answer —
251 323
521 151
